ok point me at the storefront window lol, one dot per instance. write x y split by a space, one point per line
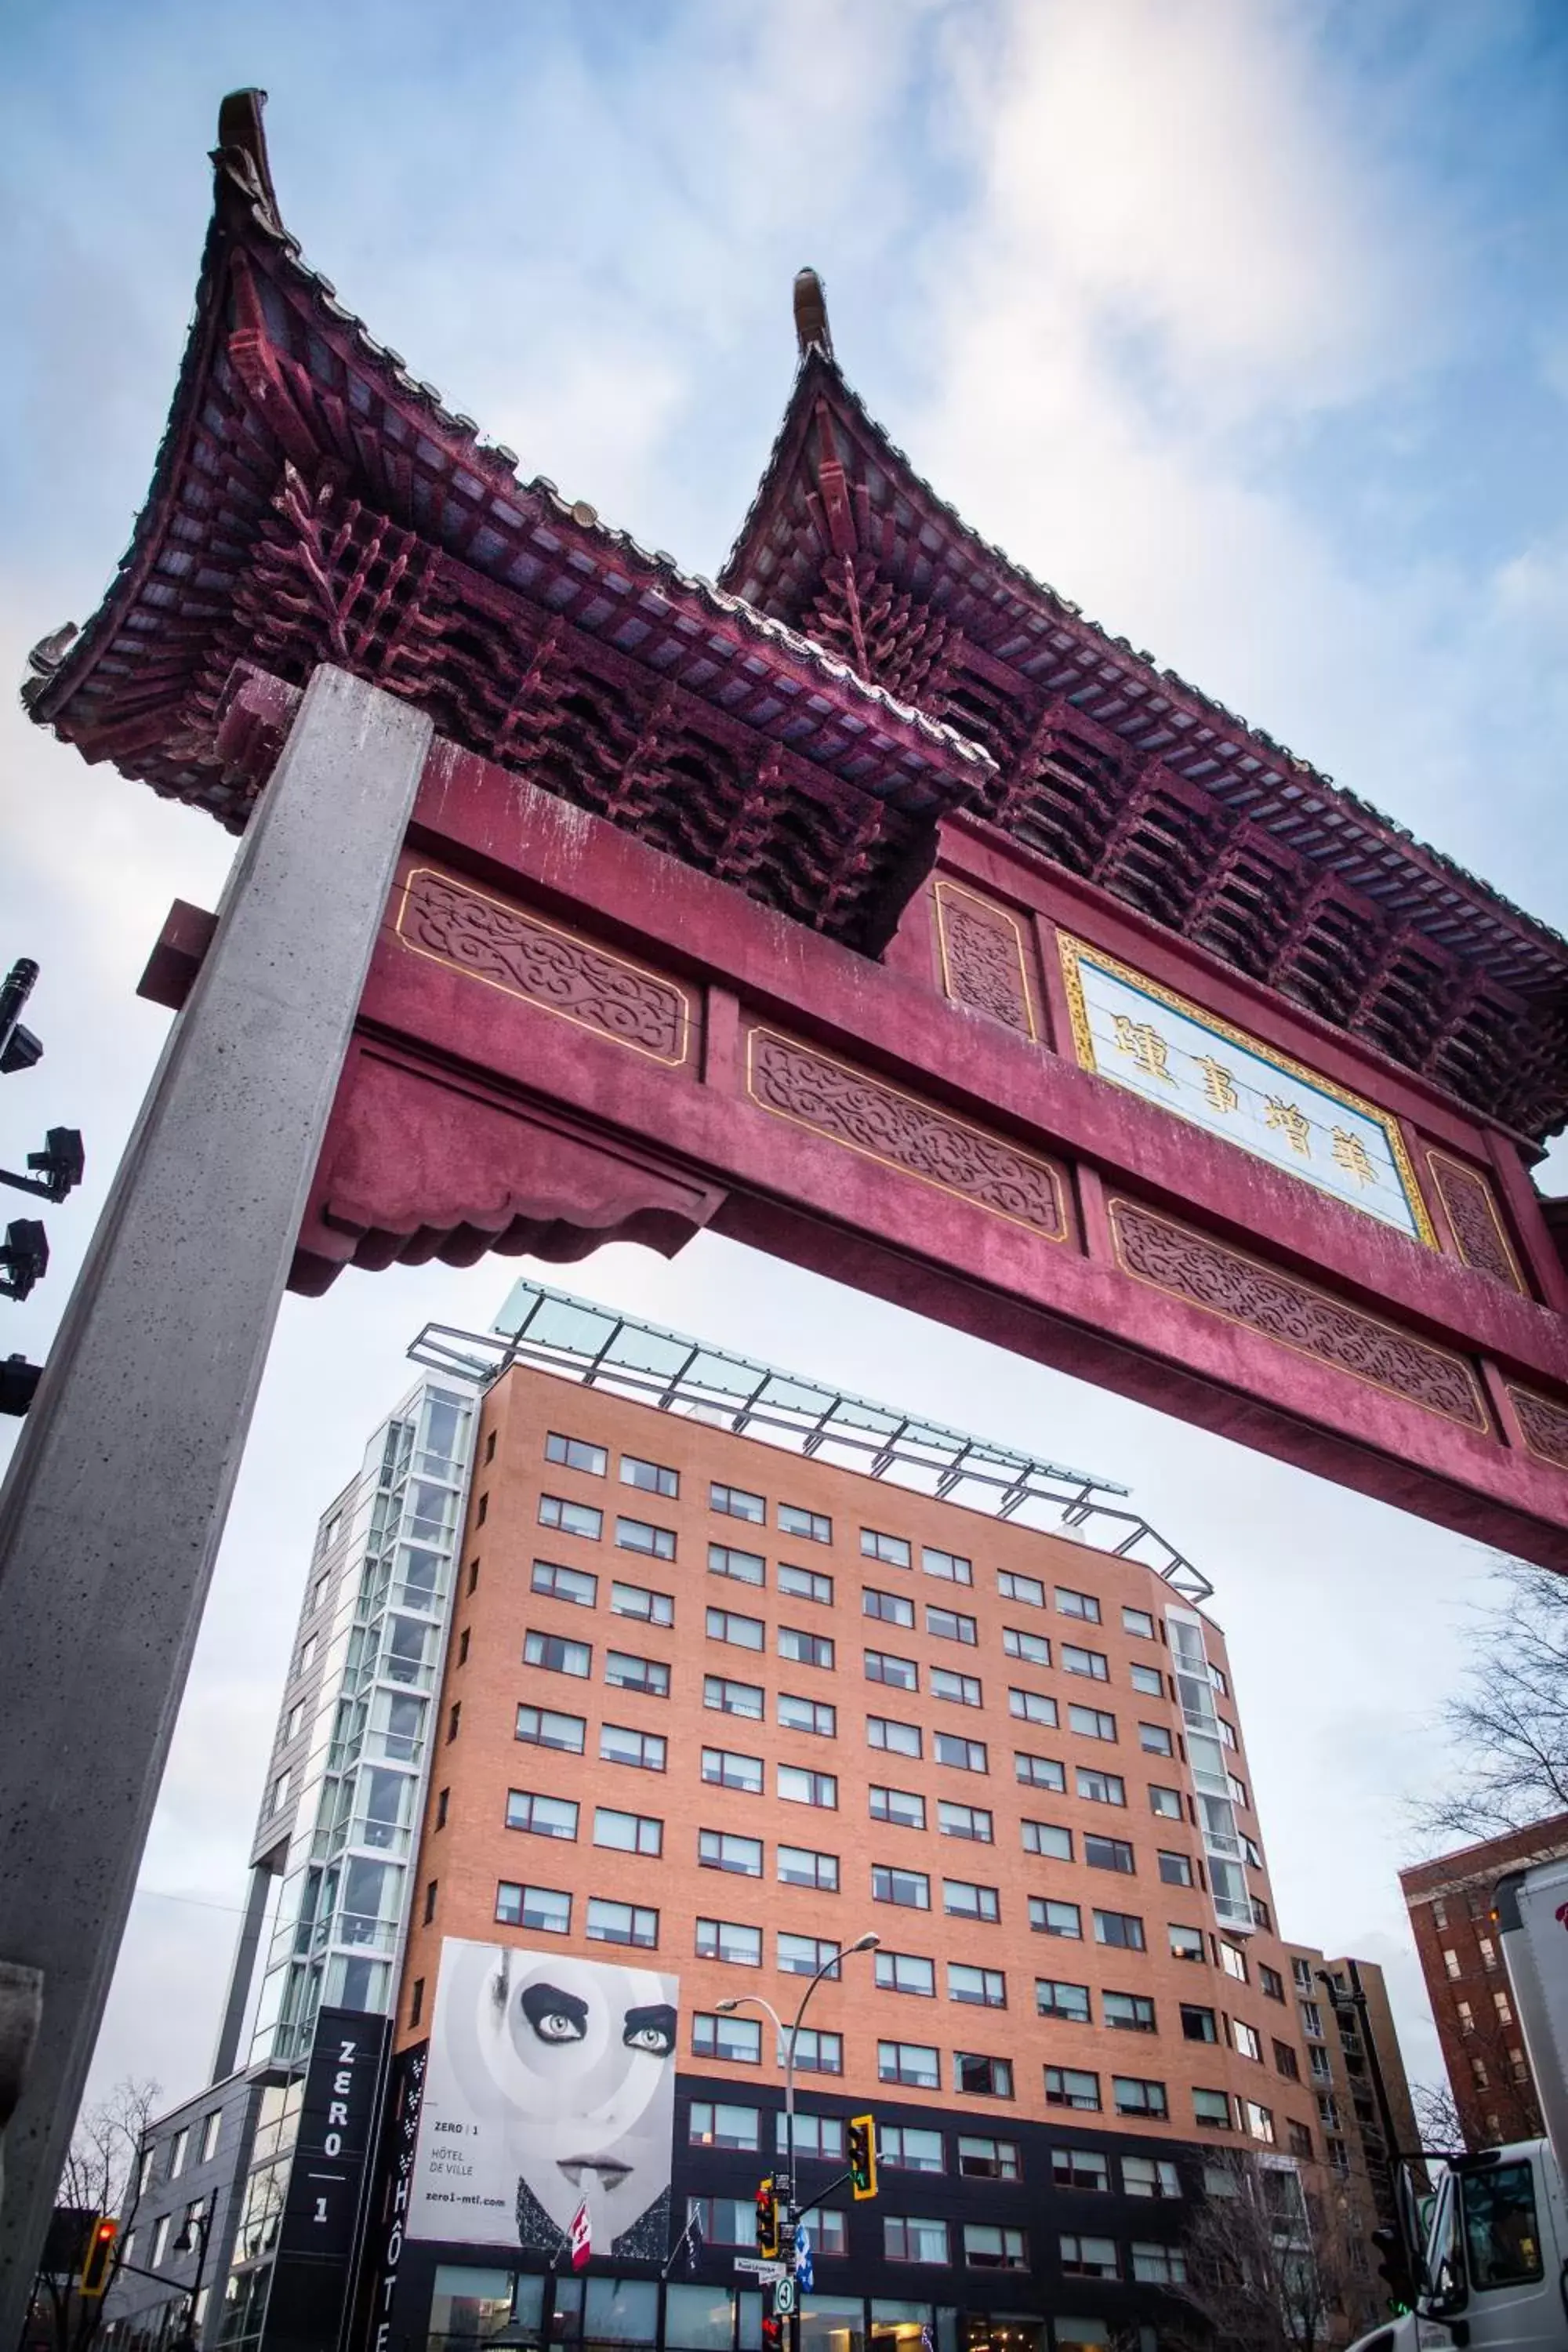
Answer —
832 2322
622 2311
1015 2331
698 2319
474 2306
901 2327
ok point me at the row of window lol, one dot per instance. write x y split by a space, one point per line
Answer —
907 2147
206 2139
979 2245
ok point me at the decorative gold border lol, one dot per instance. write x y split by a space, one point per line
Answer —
1482 1427
932 1110
990 906
1476 1176
1552 1404
573 939
1083 1046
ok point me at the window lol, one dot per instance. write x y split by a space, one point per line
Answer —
815 1526
963 1754
1078 1604
1239 1792
1285 2062
722 2221
1245 2040
816 2052
557 1655
574 1584
454 1719
627 1833
637 1535
951 1565
900 2147
1175 1869
1138 1621
911 1889
1045 1837
899 1673
813 1714
1108 1853
950 1625
806 1649
622 1923
725 1769
726 1939
732 1698
1253 1851
623 1671
1093 1663
1040 1772
1270 1981
1212 2109
1081 2169
722 1850
1136 2096
1149 1681
1260 2122
1091 1723
178 2148
161 2229
1099 1788
801 1956
798 1786
1228 1732
642 1749
715 2124
1070 2086
988 2247
965 1822
553 1817
1154 1739
1150 2176
906 2240
737 2039
743 1632
898 1738
1300 2140
737 1502
902 1807
296 1717
1217 1677
212 2128
906 1972
1197 2023
805 1584
1087 2258
961 1899
1020 1588
1033 1706
1233 1960
1186 1943
636 1601
1451 1963
912 2063
576 1453
892 1549
1302 1972
983 1987
890 1607
981 2158
820 2138
1128 2012
963 1690
653 1478
744 1567
1049 1918
572 1518
1119 1929
1165 1802
1160 2263
798 1866
1053 1998
541 1907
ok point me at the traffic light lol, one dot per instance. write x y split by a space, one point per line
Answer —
767 2220
863 2155
23 1257
773 2331
98 2259
1393 2267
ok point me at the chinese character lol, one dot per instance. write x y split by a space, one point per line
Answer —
1351 1154
1293 1124
1145 1042
1219 1087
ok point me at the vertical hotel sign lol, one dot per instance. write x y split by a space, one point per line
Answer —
1130 1030
319 2228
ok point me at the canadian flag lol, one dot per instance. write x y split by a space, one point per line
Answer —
582 2237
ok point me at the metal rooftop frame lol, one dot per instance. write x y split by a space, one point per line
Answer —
551 1331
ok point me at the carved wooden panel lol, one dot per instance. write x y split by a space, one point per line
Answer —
1544 1423
1478 1231
508 948
1195 1267
800 1083
984 959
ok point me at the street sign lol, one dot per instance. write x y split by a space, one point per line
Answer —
756 2268
784 2297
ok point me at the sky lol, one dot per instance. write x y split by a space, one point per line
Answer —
1241 321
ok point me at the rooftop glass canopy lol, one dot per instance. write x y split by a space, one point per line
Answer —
551 1331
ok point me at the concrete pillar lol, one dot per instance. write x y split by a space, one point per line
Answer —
110 1517
242 1975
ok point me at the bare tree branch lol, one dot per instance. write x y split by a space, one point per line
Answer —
1508 1725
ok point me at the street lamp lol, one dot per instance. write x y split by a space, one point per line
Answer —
202 2216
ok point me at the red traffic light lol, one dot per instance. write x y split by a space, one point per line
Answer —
98 2259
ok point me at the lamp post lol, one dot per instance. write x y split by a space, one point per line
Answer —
787 2035
204 2222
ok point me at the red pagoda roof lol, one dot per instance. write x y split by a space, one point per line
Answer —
1135 779
313 502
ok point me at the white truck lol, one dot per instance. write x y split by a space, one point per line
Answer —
1493 2265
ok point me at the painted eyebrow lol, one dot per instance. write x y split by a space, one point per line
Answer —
657 2012
541 2000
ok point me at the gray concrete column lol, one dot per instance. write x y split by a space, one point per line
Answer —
111 1515
242 1975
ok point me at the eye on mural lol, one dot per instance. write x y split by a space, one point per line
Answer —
550 2080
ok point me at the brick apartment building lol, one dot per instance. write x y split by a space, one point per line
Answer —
1449 1900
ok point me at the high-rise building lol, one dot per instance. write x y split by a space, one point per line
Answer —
1449 1900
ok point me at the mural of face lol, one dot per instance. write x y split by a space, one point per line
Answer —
555 2072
